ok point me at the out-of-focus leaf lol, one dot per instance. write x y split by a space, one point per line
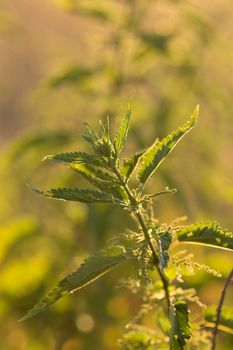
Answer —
180 328
135 340
90 11
209 233
226 318
15 232
23 273
156 41
160 149
37 140
94 12
91 269
70 75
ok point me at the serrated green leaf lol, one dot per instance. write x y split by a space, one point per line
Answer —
95 176
180 328
226 318
101 180
160 149
78 195
130 164
121 136
91 269
76 157
206 233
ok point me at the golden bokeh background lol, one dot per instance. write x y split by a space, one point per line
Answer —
66 62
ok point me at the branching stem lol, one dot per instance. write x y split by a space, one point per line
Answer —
219 309
140 219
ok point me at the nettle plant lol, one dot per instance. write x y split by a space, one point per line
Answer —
150 248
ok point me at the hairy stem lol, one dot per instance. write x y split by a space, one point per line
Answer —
155 256
219 309
142 223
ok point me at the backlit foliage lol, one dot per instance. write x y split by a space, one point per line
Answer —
158 271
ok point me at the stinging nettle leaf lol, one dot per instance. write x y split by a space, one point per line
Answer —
78 195
130 164
92 268
209 233
102 180
95 176
160 149
121 136
75 157
180 329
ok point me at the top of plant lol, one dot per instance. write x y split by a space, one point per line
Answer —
99 167
150 246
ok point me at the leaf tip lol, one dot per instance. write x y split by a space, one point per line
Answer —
195 114
24 318
35 190
130 103
41 193
48 157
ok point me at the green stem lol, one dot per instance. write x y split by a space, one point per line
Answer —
139 217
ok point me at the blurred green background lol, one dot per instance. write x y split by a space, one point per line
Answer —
63 63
